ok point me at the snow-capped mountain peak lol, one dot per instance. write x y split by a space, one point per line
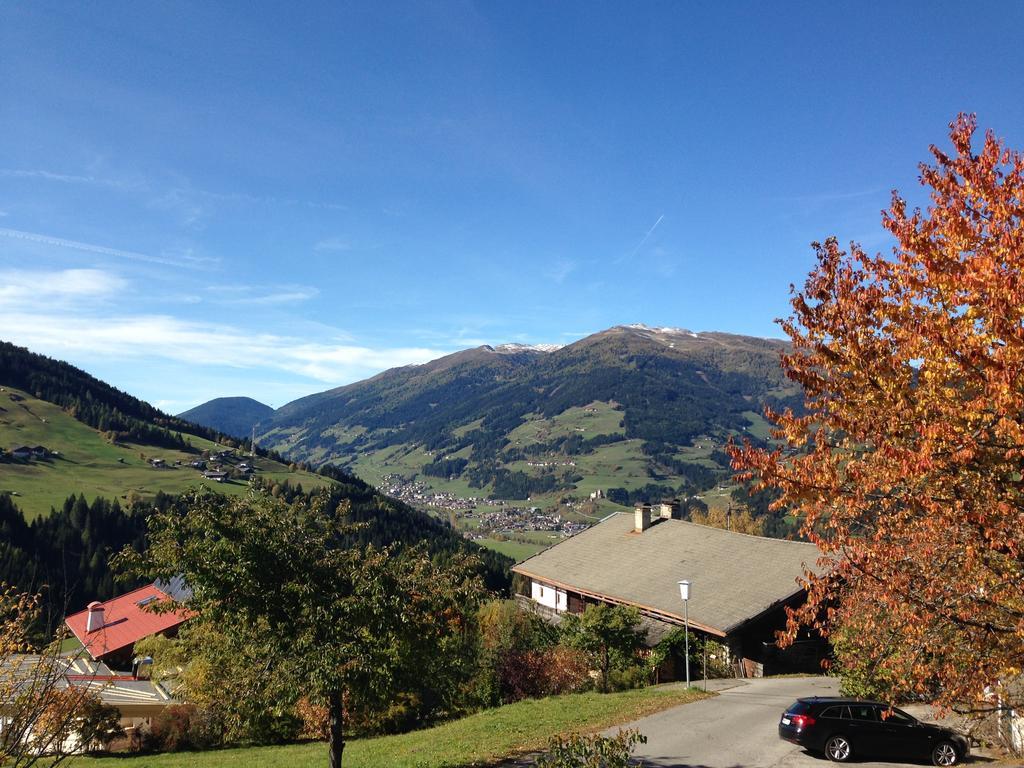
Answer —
662 331
512 348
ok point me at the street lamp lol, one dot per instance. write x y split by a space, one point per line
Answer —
684 593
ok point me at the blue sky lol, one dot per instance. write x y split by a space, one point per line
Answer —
199 199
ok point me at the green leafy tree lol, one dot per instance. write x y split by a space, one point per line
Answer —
354 628
609 634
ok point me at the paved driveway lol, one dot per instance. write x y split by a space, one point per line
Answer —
736 729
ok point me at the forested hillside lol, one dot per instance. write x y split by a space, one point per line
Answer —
231 415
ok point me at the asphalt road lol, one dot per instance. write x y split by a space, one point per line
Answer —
736 729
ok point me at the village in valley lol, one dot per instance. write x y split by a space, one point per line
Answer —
479 517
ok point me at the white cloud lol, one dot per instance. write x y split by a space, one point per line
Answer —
201 344
42 287
229 293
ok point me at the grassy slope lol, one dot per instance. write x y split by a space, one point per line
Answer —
479 739
517 550
89 464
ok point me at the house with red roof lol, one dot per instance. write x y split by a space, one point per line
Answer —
108 631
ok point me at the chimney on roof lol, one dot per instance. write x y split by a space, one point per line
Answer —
142 667
95 620
670 510
642 517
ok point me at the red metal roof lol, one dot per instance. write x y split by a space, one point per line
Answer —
125 621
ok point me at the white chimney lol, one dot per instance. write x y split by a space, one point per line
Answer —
670 510
642 518
95 620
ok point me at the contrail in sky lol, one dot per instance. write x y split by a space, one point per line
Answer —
61 242
644 240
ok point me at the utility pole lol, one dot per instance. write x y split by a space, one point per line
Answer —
705 662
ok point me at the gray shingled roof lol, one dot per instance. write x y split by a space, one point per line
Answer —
734 577
132 697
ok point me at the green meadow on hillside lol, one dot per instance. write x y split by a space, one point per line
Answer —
88 464
597 418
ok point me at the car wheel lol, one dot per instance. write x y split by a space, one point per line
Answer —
838 749
945 754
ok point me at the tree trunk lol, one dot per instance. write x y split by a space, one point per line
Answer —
336 731
604 670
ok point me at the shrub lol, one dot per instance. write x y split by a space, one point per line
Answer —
183 726
567 671
544 672
508 670
578 751
628 677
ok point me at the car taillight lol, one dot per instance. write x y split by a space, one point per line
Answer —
803 721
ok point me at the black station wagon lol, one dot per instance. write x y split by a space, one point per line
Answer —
846 728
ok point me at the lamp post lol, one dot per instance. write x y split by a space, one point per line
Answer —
684 593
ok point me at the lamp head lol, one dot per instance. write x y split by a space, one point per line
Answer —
684 590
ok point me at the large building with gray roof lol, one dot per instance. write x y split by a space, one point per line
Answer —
740 584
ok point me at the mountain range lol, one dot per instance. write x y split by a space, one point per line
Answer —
634 410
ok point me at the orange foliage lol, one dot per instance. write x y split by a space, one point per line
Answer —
907 465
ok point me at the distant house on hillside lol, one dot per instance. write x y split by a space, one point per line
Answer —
40 451
108 631
21 452
159 463
215 474
740 584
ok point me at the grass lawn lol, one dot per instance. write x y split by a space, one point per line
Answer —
517 550
479 739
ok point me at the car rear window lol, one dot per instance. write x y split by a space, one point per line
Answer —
798 708
863 712
838 712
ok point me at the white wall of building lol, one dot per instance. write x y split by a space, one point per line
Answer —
549 596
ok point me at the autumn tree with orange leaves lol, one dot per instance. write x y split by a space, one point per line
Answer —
906 466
